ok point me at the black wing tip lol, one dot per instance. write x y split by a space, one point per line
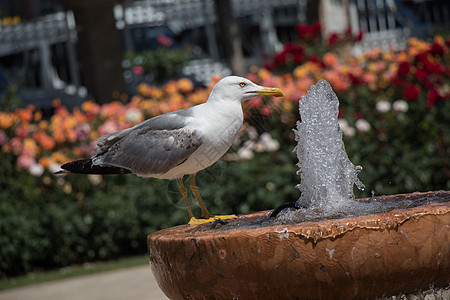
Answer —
85 166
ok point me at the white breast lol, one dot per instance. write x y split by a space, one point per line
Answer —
219 125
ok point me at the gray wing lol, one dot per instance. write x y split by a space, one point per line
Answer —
152 147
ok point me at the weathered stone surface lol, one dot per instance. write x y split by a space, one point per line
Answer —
352 258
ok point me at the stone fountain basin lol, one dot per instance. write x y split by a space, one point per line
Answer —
401 251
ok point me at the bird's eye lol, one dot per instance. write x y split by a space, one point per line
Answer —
242 84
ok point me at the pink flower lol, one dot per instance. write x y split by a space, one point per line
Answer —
138 70
25 161
17 145
83 130
3 137
164 40
108 127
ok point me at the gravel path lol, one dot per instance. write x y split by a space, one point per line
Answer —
130 283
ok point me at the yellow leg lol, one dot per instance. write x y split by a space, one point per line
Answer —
194 189
184 192
207 217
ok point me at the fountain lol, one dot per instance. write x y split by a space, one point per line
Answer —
327 246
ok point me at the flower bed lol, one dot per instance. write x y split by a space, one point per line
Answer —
395 116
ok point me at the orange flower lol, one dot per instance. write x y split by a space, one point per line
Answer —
71 135
78 152
171 87
56 103
6 148
112 109
123 97
44 140
79 116
215 79
90 107
38 116
330 59
7 120
304 84
143 89
30 147
264 74
199 96
59 157
25 115
59 136
185 85
46 162
69 123
438 39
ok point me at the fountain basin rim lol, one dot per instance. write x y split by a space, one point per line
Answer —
311 230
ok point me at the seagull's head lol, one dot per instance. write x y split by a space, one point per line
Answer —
234 88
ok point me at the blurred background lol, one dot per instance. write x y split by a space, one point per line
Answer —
71 71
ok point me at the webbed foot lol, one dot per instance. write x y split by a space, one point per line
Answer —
195 221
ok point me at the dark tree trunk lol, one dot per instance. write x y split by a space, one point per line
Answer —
99 47
230 36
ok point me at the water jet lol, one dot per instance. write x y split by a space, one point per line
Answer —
330 246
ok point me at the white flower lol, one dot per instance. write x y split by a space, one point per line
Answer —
349 132
95 179
252 132
269 143
36 170
400 106
343 124
245 153
134 115
362 125
383 106
346 129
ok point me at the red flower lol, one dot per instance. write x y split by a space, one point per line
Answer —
434 68
421 74
430 67
403 68
411 92
397 81
359 36
355 79
437 49
432 97
428 84
332 40
315 59
308 31
280 58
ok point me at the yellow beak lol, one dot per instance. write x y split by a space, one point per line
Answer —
269 91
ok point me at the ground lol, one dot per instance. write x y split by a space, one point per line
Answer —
135 283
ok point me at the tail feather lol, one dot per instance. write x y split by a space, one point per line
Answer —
85 166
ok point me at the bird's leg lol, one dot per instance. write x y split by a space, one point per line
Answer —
277 210
207 217
184 192
194 189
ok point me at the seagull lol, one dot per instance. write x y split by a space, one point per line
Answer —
178 143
